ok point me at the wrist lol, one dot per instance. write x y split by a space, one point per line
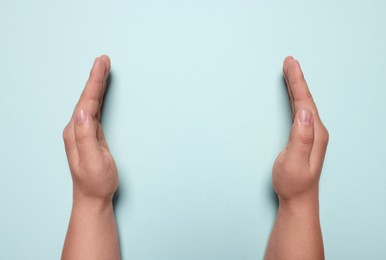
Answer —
92 209
91 202
304 203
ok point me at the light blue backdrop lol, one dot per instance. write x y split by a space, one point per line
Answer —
195 116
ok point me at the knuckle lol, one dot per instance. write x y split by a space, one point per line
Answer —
80 139
306 139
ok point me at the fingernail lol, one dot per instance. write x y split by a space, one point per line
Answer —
81 117
305 117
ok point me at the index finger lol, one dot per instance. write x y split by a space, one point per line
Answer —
301 98
297 87
92 96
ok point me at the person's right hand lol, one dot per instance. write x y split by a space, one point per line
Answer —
92 231
93 169
297 169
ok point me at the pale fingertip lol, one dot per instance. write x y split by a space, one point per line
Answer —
105 57
99 70
107 62
96 60
288 58
286 63
294 72
93 66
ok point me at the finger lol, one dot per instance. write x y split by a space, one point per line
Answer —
106 59
92 94
291 98
301 138
297 87
107 62
86 140
302 99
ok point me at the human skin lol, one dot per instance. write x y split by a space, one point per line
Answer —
92 231
296 233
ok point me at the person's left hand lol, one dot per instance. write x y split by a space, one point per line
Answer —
298 167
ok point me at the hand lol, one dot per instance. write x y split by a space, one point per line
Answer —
93 169
297 169
92 231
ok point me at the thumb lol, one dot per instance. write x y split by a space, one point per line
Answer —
86 140
302 137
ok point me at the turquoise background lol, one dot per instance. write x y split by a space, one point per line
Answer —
195 116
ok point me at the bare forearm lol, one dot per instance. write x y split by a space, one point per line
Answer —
296 233
92 232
